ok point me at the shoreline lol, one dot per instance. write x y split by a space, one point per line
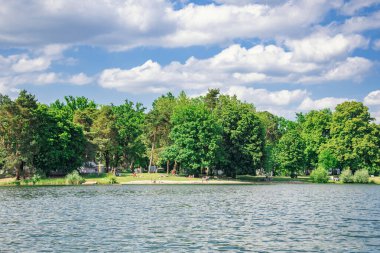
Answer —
167 182
151 180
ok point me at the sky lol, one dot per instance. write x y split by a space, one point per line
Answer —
282 56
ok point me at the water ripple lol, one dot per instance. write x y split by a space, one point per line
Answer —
263 218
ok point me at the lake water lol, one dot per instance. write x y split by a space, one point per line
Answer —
189 218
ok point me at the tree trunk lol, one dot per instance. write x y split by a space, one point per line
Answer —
152 151
19 170
167 166
175 166
107 158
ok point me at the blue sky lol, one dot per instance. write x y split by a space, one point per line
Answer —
282 56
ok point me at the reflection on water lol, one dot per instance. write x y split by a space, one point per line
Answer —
189 218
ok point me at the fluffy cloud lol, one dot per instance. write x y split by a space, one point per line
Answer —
351 7
31 65
263 97
323 103
283 102
352 68
34 68
376 44
373 98
123 24
376 115
237 65
361 23
322 47
80 79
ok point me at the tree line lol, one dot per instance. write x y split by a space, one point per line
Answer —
210 134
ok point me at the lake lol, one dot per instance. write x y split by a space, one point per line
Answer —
191 218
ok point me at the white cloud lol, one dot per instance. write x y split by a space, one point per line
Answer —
351 7
361 23
34 68
353 68
31 65
373 98
281 102
46 78
322 47
124 24
376 45
323 103
376 115
222 23
235 65
246 2
263 97
80 79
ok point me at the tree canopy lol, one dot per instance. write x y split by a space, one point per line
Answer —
213 134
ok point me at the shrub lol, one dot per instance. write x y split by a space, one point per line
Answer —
25 181
346 176
361 176
319 175
74 178
36 178
112 179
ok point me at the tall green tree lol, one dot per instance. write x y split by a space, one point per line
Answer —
354 137
60 142
17 130
289 153
129 120
315 132
242 136
106 135
272 135
158 126
196 137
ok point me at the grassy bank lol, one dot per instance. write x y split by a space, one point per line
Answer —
104 179
279 179
163 178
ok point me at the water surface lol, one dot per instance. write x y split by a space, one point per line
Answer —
190 218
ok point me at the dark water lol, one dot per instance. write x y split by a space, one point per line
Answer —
262 218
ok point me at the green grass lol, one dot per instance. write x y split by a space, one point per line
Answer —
304 179
103 179
374 180
128 177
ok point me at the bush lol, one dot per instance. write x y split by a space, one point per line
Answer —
346 176
74 178
112 179
17 182
36 178
361 176
319 175
25 181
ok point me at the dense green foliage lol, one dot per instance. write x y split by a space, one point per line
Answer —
319 175
290 153
355 140
74 178
361 176
214 134
242 136
326 159
346 176
315 132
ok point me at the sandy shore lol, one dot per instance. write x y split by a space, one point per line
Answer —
211 182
